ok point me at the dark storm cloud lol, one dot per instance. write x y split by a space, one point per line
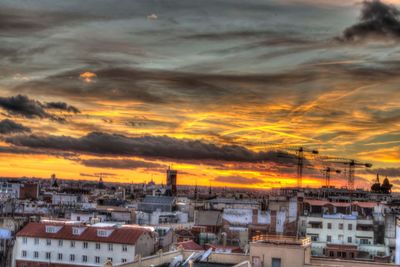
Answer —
377 20
19 21
146 146
62 106
391 172
22 105
176 87
32 151
235 179
119 163
8 127
163 87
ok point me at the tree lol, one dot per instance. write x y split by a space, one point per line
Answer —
376 188
386 186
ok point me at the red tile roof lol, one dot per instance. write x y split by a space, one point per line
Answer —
190 245
122 235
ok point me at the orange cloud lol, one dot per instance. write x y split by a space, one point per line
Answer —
88 76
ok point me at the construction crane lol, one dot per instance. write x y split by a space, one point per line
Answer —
300 163
351 164
327 173
300 151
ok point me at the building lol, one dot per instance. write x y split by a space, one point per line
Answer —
344 230
171 182
65 199
17 190
157 203
10 190
277 251
69 244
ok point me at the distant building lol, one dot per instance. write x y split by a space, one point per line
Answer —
18 190
157 203
171 182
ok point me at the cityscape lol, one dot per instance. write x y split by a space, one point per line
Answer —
212 133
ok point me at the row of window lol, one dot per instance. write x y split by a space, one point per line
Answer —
60 257
363 241
349 238
329 226
85 245
341 226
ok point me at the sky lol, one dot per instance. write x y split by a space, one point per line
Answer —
221 90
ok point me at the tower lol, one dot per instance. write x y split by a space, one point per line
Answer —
171 181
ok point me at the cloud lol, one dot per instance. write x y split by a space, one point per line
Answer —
62 106
166 87
377 20
8 127
103 174
119 163
100 143
235 179
88 76
391 172
22 105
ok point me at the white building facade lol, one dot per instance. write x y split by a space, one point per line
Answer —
39 244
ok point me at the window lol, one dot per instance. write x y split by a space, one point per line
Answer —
84 258
72 244
123 260
350 227
48 255
97 259
328 238
110 259
124 248
329 225
36 254
314 238
48 242
103 233
349 239
85 245
110 247
52 229
340 226
97 245
60 256
24 253
72 257
25 240
276 262
36 241
60 243
341 238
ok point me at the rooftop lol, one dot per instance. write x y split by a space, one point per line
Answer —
118 235
281 240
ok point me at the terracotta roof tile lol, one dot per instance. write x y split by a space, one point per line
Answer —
121 235
190 245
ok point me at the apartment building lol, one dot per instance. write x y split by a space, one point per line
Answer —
341 230
68 244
